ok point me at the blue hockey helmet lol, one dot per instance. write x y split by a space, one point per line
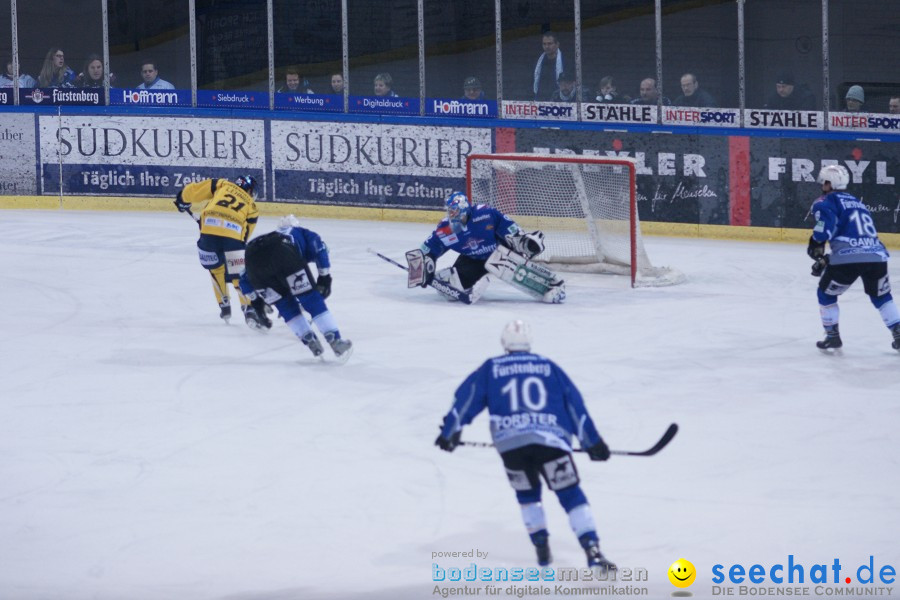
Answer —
458 209
248 184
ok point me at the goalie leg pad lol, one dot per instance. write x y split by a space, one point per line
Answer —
420 268
533 279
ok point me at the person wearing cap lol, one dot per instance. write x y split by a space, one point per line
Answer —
472 90
789 96
855 98
693 95
567 91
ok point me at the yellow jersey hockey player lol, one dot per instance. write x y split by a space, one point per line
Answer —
226 223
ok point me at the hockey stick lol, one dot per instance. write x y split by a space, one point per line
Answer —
662 443
193 216
440 286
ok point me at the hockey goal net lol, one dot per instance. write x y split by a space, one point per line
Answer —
586 207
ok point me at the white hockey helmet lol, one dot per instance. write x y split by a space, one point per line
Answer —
516 336
836 175
288 222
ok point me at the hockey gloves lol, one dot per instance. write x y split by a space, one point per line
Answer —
180 204
323 285
448 445
598 451
819 266
815 250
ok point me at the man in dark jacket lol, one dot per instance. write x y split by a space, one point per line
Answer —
692 94
789 96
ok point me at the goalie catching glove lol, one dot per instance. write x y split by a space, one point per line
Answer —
528 245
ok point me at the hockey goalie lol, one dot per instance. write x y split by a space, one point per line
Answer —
489 244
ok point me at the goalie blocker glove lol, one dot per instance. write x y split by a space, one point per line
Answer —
323 285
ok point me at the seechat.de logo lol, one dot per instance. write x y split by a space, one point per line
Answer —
682 573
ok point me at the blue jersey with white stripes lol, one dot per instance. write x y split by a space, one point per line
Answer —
485 227
311 246
846 223
531 400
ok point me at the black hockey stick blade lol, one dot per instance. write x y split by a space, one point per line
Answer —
662 443
443 288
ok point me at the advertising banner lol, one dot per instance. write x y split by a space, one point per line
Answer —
223 99
863 122
312 102
145 156
551 111
680 178
620 113
62 96
783 179
17 155
757 118
136 97
702 117
384 105
445 107
367 164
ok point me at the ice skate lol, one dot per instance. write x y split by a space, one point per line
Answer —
342 348
312 342
832 340
542 547
595 558
255 320
225 312
896 331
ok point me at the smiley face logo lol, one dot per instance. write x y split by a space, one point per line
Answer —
682 573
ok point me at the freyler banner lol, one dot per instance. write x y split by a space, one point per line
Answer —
680 178
783 173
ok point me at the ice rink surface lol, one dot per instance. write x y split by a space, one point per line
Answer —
150 452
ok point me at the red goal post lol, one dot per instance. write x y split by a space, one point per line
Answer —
585 205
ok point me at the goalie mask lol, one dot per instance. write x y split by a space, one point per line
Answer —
248 184
458 209
836 175
516 336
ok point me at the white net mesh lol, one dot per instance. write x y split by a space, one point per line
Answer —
583 205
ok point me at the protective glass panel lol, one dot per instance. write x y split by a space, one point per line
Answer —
233 52
54 45
859 33
700 53
384 54
538 46
149 47
460 50
784 54
619 49
308 46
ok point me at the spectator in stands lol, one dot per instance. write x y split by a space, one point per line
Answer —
384 84
608 93
894 105
55 72
92 74
6 78
150 75
789 96
292 83
337 83
855 98
650 94
472 90
568 91
693 95
548 68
